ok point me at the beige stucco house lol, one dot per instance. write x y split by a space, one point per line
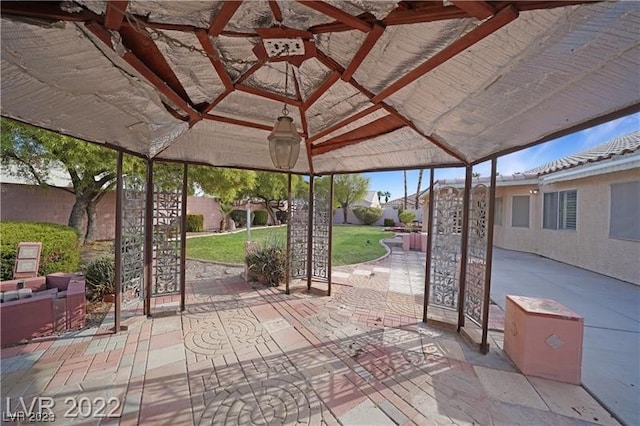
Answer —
583 209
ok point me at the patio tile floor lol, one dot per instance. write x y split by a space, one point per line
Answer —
247 355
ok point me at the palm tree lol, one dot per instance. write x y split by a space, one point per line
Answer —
419 185
404 205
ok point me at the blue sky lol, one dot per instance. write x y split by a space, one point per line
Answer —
513 163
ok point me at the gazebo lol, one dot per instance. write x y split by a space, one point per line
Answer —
354 86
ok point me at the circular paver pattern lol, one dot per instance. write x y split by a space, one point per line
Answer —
360 297
283 400
219 336
208 339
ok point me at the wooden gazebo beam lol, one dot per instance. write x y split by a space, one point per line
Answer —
115 14
337 14
478 9
222 18
502 18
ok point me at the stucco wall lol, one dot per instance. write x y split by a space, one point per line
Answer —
588 247
32 203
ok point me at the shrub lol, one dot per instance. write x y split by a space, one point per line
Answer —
407 217
195 223
268 260
100 277
389 222
367 215
282 217
60 246
260 218
240 217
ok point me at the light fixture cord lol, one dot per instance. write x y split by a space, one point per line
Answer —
285 111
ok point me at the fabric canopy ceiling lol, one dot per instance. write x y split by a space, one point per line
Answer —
371 85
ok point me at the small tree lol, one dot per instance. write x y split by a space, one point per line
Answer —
349 189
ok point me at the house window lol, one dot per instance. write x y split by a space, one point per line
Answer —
560 210
497 217
624 220
520 211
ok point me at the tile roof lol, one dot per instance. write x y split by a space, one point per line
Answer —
617 146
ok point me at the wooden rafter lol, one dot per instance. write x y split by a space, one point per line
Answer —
238 122
224 15
216 101
337 14
105 36
275 10
344 122
268 95
326 85
144 48
381 126
212 53
333 64
478 9
480 32
115 14
248 73
363 51
433 139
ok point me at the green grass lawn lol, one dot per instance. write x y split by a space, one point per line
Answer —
351 244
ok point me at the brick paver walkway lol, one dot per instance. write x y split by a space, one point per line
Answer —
251 355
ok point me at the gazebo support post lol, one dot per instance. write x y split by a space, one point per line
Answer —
484 346
288 260
117 249
330 234
464 246
148 239
310 235
183 238
427 267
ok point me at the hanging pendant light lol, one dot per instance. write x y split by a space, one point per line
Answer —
284 140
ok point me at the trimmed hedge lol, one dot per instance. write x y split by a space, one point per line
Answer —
195 223
367 215
240 217
389 222
260 217
60 246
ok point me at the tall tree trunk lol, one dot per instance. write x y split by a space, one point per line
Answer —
92 223
344 213
77 215
419 185
271 211
404 205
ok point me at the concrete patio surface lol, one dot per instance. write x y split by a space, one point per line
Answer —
244 354
611 310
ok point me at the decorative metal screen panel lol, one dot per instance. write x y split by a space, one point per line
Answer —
299 223
132 245
445 251
321 230
477 253
166 241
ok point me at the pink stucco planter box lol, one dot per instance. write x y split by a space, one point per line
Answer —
544 338
415 241
57 303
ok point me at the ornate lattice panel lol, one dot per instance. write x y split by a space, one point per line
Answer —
445 250
132 244
321 231
299 224
166 241
477 252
